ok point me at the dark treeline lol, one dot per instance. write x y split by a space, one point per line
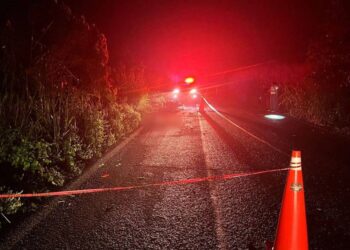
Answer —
61 102
323 96
315 89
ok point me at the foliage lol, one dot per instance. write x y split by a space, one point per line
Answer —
144 103
59 103
323 97
54 141
9 206
307 101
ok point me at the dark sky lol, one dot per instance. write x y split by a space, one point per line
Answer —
178 36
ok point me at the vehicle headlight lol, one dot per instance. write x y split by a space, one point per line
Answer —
193 91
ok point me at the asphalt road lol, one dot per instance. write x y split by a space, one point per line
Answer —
240 213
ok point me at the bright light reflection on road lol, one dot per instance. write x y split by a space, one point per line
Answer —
275 117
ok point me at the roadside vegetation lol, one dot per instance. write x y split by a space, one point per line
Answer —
323 97
62 105
315 89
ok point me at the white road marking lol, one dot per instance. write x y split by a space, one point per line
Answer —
243 129
220 233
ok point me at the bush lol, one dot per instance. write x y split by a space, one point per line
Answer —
307 101
144 104
77 129
61 108
9 206
131 119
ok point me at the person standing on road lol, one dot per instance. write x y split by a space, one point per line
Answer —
274 98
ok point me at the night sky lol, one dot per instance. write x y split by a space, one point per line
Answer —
203 36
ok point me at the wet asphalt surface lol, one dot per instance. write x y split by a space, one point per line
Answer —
240 213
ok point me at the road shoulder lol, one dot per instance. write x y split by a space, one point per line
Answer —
17 232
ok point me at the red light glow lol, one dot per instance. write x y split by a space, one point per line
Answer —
189 80
193 91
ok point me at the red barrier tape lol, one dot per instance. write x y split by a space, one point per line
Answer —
168 183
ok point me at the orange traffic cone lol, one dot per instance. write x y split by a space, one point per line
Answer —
292 228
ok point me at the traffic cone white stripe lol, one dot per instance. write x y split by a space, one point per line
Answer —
292 226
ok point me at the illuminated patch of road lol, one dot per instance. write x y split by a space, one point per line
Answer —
274 117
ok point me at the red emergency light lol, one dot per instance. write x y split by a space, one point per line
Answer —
189 80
